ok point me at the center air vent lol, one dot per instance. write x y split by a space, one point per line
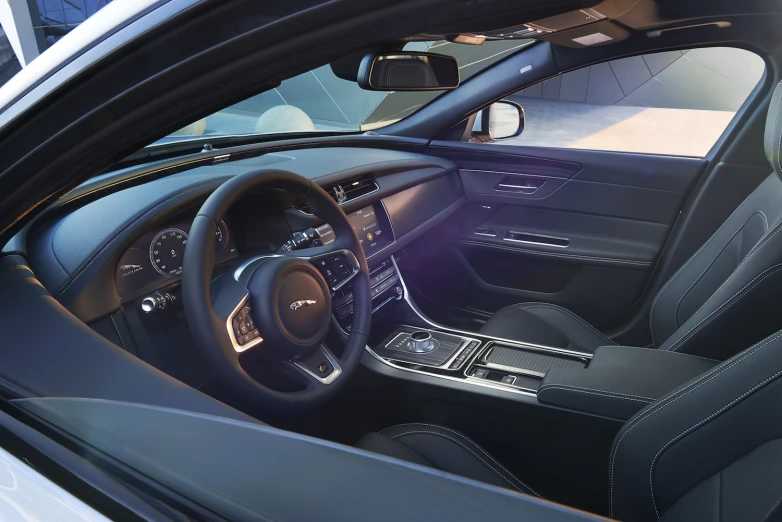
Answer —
345 191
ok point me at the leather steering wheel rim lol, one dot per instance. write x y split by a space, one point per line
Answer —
206 313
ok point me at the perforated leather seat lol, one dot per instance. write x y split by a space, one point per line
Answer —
720 301
709 450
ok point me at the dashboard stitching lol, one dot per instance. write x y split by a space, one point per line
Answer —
51 247
102 247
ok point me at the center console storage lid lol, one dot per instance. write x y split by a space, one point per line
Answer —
620 380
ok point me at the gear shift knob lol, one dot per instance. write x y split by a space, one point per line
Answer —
421 342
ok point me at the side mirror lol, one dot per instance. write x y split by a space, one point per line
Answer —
498 121
408 71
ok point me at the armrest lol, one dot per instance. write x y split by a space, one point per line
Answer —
620 380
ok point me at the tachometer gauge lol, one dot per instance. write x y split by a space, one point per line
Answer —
167 251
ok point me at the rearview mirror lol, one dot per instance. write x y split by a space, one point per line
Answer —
408 71
498 121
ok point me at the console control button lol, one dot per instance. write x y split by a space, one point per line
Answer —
508 379
480 373
466 353
345 299
345 311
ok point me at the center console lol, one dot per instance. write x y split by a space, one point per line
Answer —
472 358
614 382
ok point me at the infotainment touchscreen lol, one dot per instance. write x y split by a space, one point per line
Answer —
372 230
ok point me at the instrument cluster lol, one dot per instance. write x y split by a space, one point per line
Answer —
154 260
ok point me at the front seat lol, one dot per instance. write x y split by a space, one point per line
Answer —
709 450
722 299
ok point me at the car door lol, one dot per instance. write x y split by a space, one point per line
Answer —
576 210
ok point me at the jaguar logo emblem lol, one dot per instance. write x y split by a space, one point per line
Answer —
304 302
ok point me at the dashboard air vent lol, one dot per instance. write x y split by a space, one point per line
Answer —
344 191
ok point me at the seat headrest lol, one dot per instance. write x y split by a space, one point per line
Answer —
772 140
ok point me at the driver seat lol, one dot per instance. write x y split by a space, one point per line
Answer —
709 450
721 300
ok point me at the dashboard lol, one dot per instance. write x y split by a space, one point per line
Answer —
115 249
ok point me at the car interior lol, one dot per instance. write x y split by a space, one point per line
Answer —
589 327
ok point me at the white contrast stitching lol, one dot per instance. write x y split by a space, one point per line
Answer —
468 439
751 253
704 421
692 258
774 140
594 391
677 353
503 477
528 306
724 306
770 139
714 260
693 385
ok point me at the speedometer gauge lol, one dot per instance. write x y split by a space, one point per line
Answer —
167 250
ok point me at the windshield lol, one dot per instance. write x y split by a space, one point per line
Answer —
319 101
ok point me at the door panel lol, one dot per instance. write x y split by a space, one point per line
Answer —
578 228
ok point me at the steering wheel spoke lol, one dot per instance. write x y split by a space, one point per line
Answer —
319 368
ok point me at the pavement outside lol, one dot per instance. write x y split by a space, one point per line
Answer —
681 132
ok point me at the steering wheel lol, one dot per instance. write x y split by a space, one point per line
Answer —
283 302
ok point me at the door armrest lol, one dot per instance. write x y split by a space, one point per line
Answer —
620 380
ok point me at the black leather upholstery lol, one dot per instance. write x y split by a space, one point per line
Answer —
683 452
620 380
709 450
545 324
721 300
443 449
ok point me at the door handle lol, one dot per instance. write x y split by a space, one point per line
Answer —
527 186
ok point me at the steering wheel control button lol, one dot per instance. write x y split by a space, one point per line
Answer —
336 268
244 329
324 369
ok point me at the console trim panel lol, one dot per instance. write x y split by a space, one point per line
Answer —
470 380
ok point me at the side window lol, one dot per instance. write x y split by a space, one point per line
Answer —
674 103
